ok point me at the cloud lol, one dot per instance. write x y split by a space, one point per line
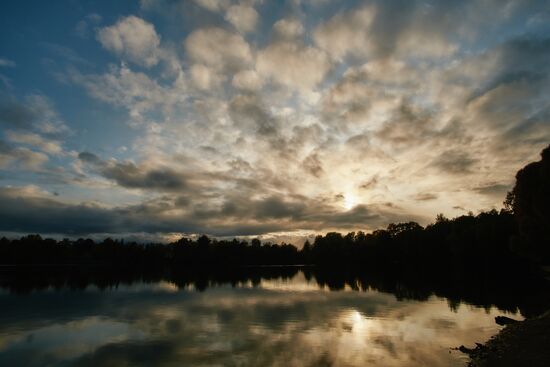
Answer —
25 210
313 165
371 93
7 62
15 114
409 29
497 190
204 77
425 196
17 157
248 112
243 17
346 33
213 5
407 125
455 162
293 65
82 28
89 158
247 80
290 28
133 39
135 91
35 112
127 174
46 145
218 48
28 210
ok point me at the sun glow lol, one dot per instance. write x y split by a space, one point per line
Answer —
349 201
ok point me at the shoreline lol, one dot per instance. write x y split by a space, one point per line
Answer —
521 343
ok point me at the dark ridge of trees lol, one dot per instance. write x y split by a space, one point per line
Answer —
467 241
34 250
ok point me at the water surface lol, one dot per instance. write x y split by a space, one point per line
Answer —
280 321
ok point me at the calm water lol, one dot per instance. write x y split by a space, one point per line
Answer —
271 322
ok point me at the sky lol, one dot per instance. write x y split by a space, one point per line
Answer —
154 119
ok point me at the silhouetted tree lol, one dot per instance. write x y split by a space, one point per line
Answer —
530 202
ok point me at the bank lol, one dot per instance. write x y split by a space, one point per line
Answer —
523 343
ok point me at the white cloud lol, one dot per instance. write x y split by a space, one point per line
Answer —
288 28
35 140
21 158
213 5
132 38
218 48
203 77
293 65
346 33
243 17
135 91
247 80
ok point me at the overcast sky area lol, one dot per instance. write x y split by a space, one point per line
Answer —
281 119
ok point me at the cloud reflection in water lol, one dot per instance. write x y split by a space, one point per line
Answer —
277 323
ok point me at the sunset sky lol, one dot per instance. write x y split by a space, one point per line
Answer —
154 119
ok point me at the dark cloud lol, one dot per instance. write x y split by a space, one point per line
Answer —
495 189
313 165
521 60
392 18
16 115
89 158
425 196
30 212
534 130
21 213
34 113
370 184
278 207
248 111
127 174
5 148
409 125
454 162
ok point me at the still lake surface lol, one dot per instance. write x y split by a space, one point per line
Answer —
280 321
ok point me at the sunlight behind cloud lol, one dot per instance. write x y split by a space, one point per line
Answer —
349 201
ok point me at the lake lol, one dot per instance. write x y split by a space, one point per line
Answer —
289 319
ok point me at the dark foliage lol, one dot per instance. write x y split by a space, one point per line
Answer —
467 241
530 202
34 250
